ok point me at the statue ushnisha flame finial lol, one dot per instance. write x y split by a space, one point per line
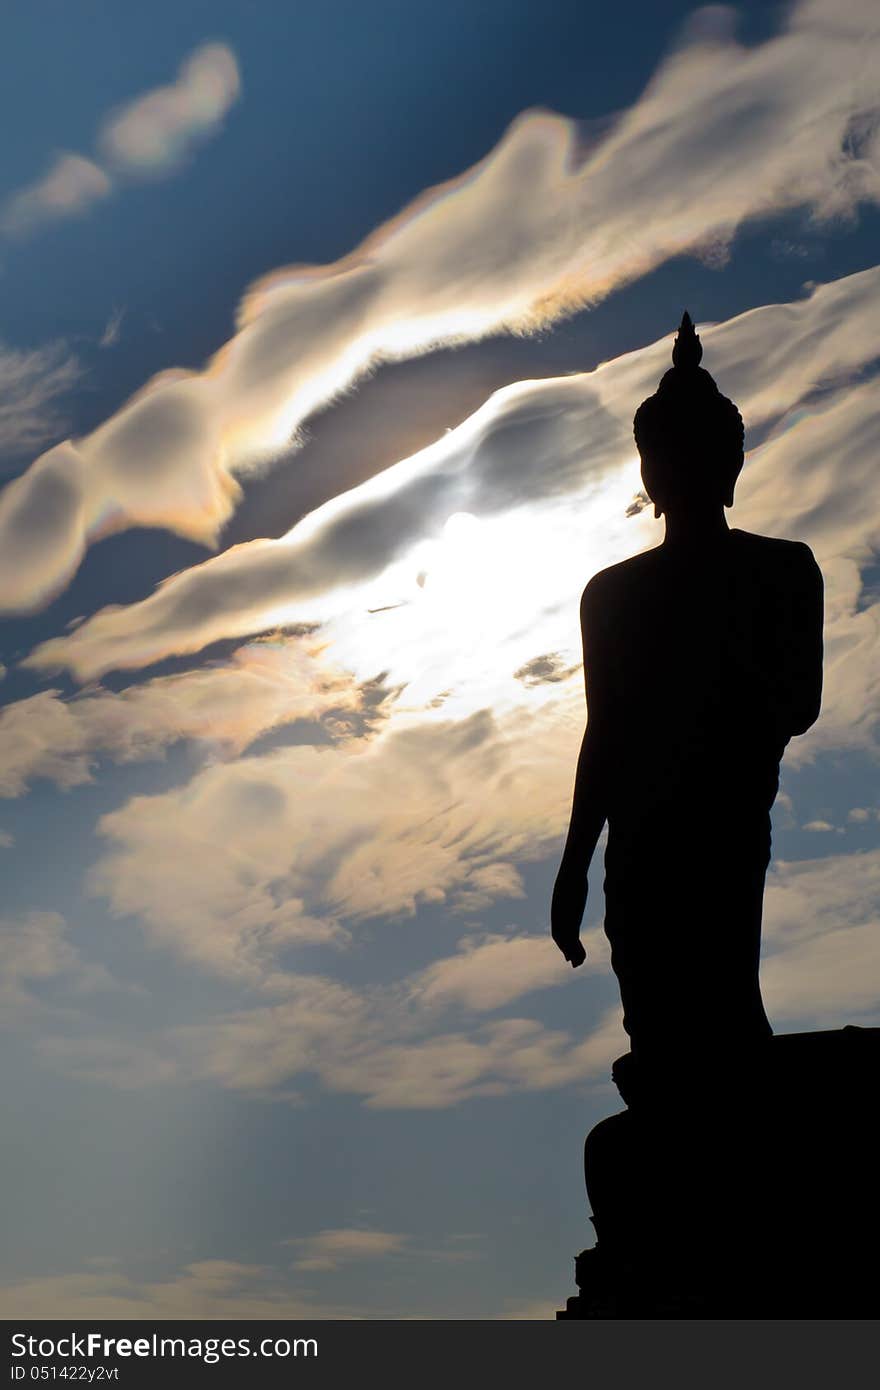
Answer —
687 350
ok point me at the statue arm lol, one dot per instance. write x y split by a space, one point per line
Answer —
803 696
589 802
784 684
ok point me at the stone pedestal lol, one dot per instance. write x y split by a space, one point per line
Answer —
738 1186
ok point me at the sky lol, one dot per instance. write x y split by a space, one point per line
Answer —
323 328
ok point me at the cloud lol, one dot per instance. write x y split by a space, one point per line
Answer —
420 569
31 381
446 574
546 669
155 132
214 1289
490 971
114 1061
390 1044
388 1057
485 885
329 1249
538 229
225 900
320 843
513 1054
35 947
812 897
640 501
300 845
112 329
206 1289
822 940
827 980
43 972
316 845
484 466
148 136
222 707
559 453
482 776
814 480
393 1044
72 185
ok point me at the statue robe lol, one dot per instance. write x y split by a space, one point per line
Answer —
700 666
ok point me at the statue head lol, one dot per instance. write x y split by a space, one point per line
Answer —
689 436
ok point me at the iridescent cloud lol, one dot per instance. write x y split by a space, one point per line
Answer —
419 571
154 132
148 136
223 707
538 229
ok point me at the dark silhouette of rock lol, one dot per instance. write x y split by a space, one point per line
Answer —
702 659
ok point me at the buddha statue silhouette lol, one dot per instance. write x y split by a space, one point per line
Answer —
702 658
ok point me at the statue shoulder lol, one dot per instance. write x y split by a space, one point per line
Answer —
774 552
609 584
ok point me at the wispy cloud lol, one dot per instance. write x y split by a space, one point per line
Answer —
72 185
369 1054
392 1046
384 1044
150 135
822 933
31 383
223 707
318 842
337 1247
327 1250
532 233
44 975
112 329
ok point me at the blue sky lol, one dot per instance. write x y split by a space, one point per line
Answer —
291 694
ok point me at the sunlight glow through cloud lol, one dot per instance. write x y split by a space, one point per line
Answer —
546 470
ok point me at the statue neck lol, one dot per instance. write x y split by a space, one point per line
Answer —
696 531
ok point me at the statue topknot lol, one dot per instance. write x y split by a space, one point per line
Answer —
687 350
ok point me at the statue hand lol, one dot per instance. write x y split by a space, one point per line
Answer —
566 914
